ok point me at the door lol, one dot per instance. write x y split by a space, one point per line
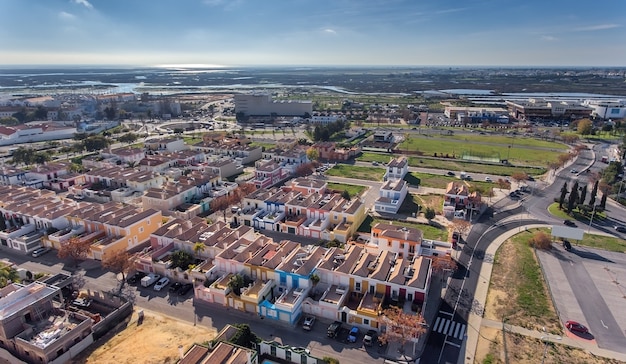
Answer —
344 317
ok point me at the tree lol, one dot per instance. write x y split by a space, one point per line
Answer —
429 213
181 259
9 121
603 200
462 226
594 193
312 154
110 112
315 279
236 283
75 248
346 195
95 142
585 127
401 326
573 198
563 194
304 169
119 262
541 240
503 184
442 263
583 195
519 176
128 138
8 274
198 248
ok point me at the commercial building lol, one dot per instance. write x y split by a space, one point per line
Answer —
547 109
607 109
261 104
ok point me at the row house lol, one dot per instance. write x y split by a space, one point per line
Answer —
397 168
127 155
35 329
26 210
289 159
157 163
40 176
224 166
304 208
242 153
169 196
187 157
167 144
269 173
459 202
118 177
354 283
12 176
330 151
391 196
125 227
405 241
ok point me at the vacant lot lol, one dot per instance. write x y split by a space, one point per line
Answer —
353 190
156 340
517 290
430 232
366 173
526 350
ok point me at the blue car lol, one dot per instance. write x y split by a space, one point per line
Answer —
354 333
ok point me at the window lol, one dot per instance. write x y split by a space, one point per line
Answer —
141 229
402 246
357 286
366 321
388 242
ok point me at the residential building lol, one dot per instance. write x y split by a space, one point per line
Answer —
41 175
323 119
127 155
330 151
391 196
397 169
459 202
12 176
166 144
241 153
36 329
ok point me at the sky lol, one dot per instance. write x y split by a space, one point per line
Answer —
313 32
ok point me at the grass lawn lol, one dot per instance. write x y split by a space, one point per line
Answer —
263 145
604 242
430 232
353 190
433 201
576 215
453 165
357 172
439 181
192 140
517 290
514 149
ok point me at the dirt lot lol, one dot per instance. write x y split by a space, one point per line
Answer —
514 264
155 340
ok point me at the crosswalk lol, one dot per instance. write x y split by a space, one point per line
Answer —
449 327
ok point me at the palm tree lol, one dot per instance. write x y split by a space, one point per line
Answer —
198 248
7 274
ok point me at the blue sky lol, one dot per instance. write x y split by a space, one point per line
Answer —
314 32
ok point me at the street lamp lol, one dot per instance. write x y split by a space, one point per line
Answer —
545 348
591 220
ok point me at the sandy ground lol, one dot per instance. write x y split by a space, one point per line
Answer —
155 340
519 348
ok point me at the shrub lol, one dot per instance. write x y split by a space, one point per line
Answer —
329 360
541 240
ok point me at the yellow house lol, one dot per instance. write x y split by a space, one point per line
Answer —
125 226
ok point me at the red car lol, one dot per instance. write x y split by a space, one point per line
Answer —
574 326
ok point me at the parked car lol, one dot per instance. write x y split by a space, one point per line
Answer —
574 326
82 302
573 171
40 251
567 245
620 229
374 163
488 179
308 323
353 335
135 277
569 223
185 289
333 329
370 336
175 287
450 173
161 284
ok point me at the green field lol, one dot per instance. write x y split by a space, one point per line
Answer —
430 232
348 171
517 150
353 190
453 165
439 181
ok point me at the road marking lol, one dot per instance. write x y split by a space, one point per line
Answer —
447 324
436 327
606 327
453 344
446 313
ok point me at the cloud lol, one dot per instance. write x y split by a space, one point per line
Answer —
598 27
85 3
549 38
447 11
66 16
329 31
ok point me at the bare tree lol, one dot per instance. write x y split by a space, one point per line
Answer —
119 262
75 248
400 326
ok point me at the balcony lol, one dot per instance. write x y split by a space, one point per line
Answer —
65 234
17 231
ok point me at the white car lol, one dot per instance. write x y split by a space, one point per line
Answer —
488 179
161 283
40 251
